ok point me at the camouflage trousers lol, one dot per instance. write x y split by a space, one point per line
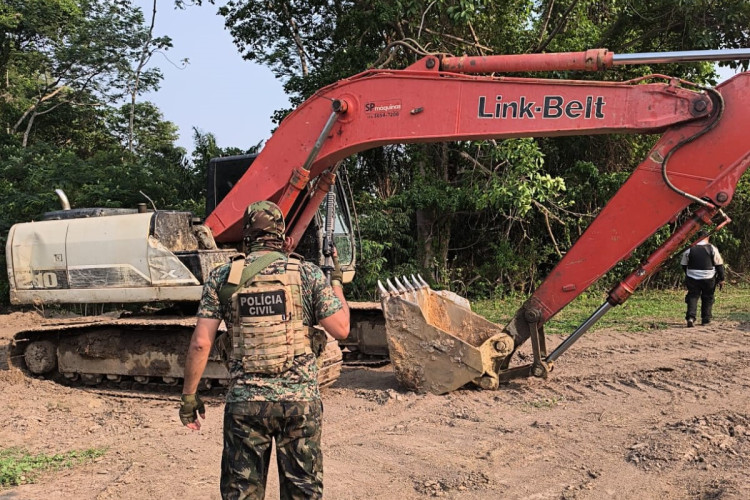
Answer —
250 428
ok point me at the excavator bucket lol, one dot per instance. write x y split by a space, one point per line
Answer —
435 342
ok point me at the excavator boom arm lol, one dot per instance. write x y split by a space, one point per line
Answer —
699 158
393 107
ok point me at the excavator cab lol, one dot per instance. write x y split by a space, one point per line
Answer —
224 172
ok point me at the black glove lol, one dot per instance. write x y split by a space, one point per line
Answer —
190 406
336 274
318 341
720 285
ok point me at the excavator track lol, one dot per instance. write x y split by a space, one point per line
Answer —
127 353
366 344
163 393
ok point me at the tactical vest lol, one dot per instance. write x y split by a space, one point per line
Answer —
267 328
701 257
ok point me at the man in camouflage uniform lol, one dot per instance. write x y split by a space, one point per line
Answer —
260 408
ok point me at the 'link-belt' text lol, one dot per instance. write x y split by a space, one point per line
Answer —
553 107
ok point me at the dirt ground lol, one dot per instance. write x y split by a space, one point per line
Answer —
662 414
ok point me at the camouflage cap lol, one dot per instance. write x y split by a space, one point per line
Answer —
263 221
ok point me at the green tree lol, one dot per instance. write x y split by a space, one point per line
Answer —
141 75
148 133
59 54
66 66
310 44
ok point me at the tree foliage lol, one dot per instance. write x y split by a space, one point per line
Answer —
62 56
491 216
479 217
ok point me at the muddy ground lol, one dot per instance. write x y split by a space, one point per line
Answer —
656 415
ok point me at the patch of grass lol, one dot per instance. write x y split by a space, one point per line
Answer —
57 406
545 403
643 311
18 466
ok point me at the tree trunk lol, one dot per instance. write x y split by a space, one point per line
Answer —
145 56
297 39
27 132
434 226
433 236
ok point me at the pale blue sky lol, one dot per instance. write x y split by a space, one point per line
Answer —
218 91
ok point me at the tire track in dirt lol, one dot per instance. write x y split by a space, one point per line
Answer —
659 414
643 382
660 371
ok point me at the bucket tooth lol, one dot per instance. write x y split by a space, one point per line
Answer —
416 284
392 288
383 292
400 285
407 285
422 281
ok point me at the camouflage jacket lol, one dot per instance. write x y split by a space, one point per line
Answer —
300 382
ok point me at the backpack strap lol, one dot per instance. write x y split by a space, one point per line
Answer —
237 266
248 273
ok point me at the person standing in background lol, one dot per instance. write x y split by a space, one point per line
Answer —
704 271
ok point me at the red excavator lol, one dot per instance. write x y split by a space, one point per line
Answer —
435 342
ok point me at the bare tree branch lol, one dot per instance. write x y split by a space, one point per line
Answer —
547 214
461 40
297 40
419 32
544 26
558 28
145 56
476 40
35 106
27 132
